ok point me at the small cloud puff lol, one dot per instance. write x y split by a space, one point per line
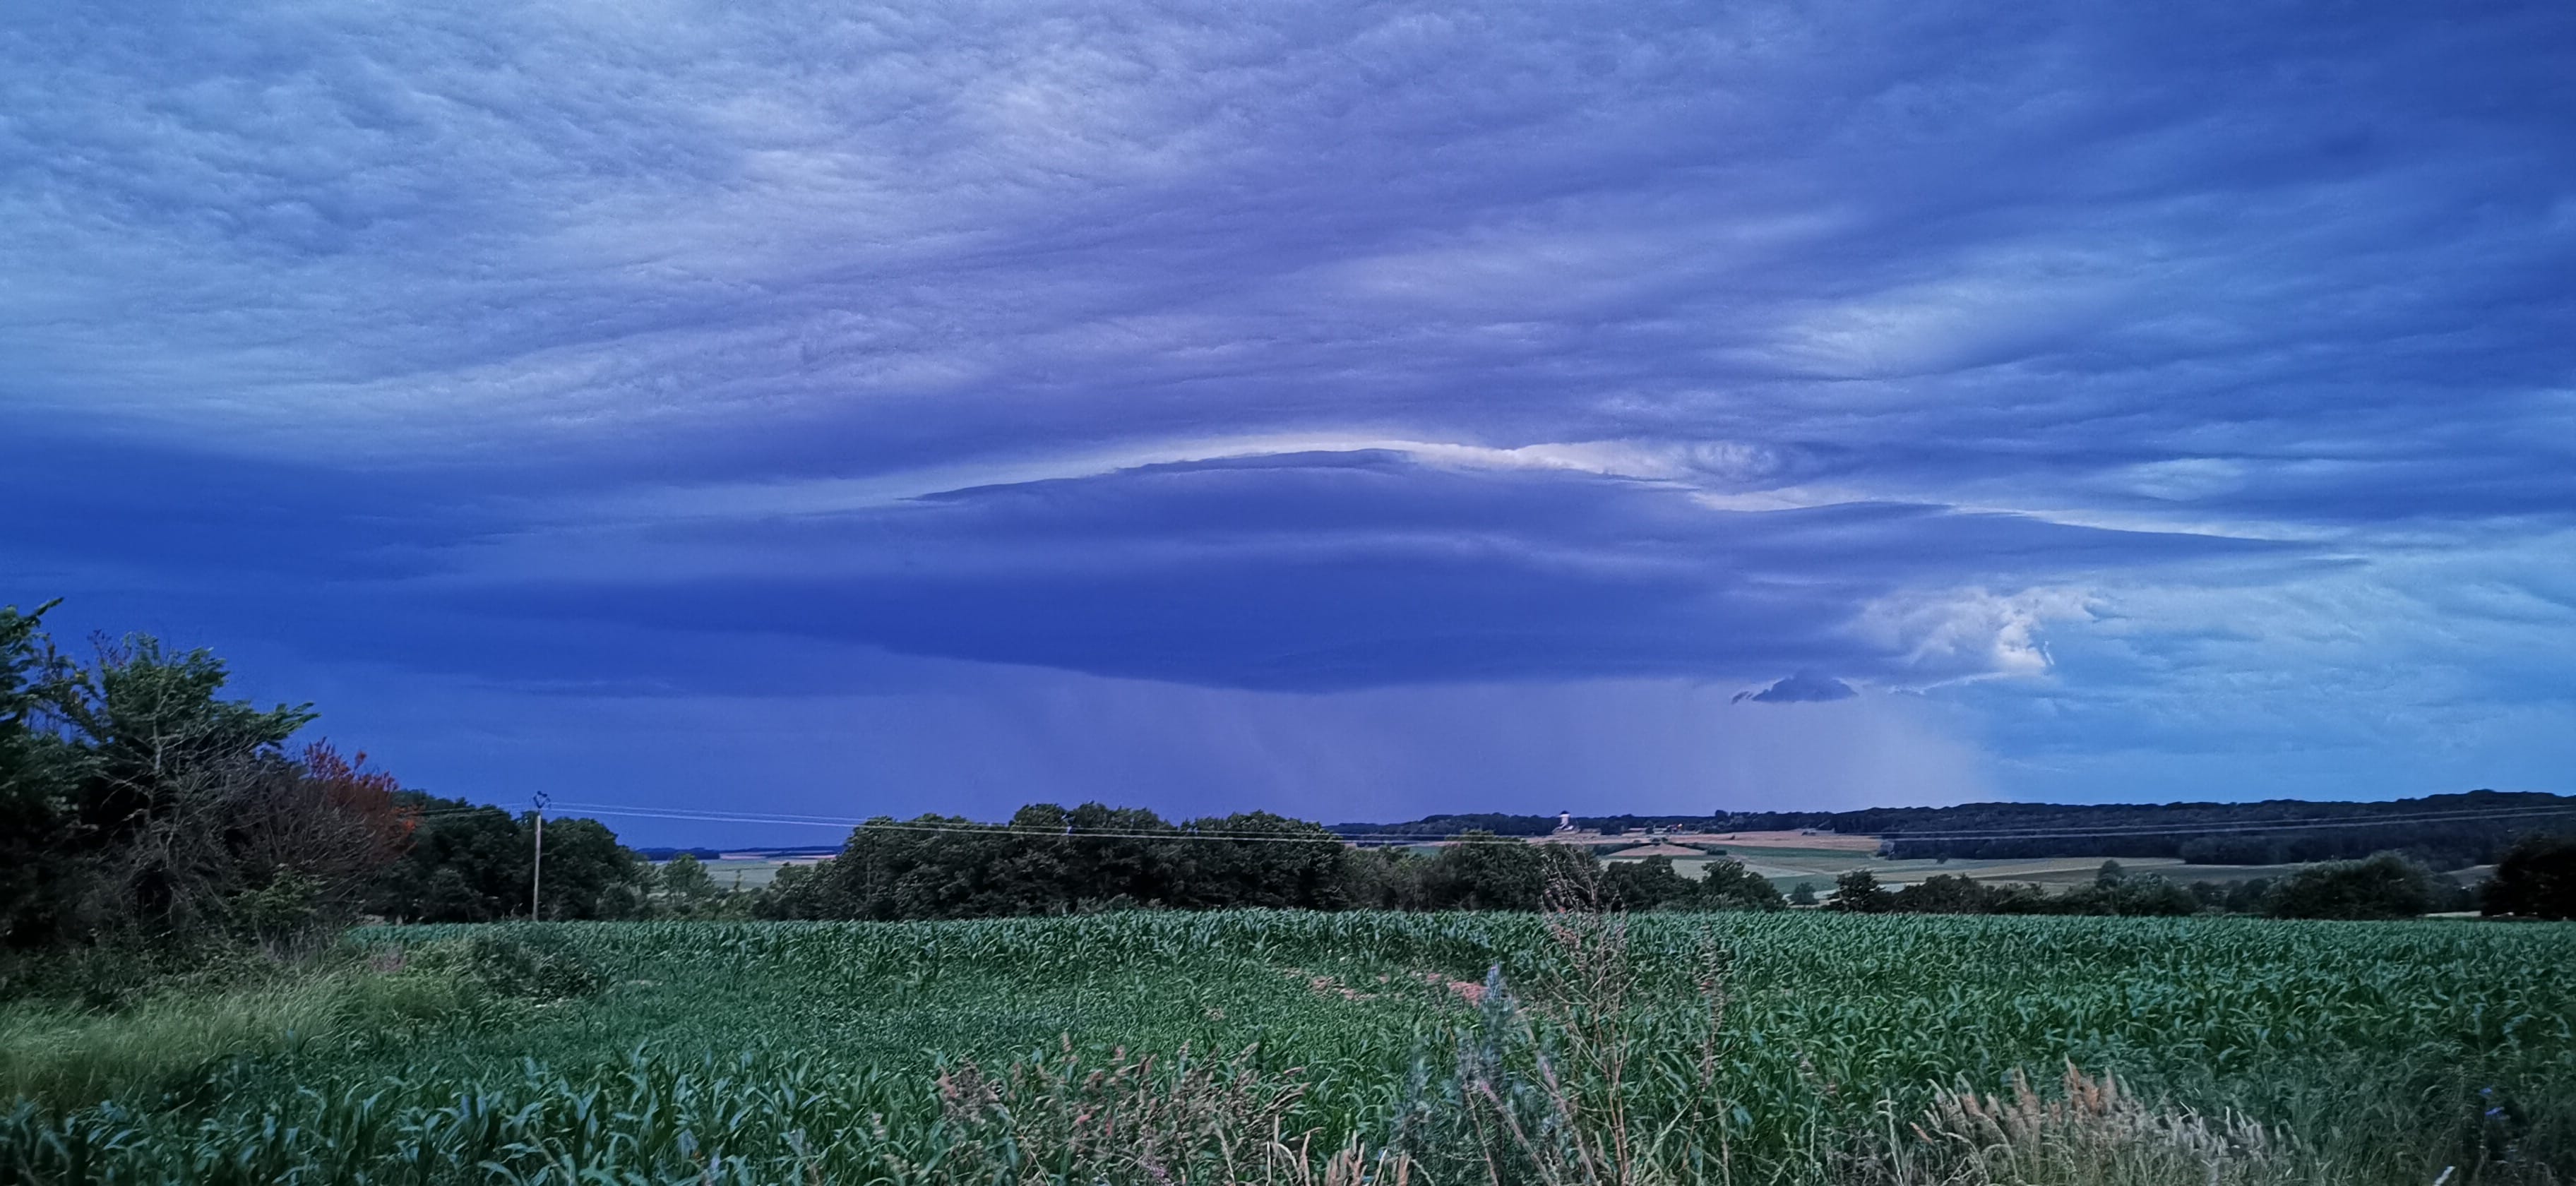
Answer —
1805 687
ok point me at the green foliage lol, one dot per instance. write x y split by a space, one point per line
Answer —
762 1053
797 892
174 1045
1858 892
2481 826
685 879
1946 893
1279 862
526 963
39 872
1653 884
153 718
1803 895
1730 886
948 867
470 863
2248 896
144 816
1049 860
1954 893
2536 879
1383 879
2384 886
588 874
1484 872
288 906
1650 884
467 863
2147 895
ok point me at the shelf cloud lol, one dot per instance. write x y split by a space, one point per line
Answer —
2109 387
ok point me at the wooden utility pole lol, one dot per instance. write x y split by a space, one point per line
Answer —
537 865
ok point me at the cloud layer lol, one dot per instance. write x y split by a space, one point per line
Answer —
2123 380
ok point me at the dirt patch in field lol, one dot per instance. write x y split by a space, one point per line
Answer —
1326 986
1465 990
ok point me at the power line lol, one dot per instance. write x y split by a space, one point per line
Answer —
683 813
964 829
759 817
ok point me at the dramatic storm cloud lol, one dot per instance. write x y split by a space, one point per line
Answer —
1348 409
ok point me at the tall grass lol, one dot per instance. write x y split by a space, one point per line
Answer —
168 1044
64 1057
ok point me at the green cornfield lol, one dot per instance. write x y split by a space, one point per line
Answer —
1793 1047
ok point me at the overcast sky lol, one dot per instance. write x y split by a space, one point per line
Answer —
1354 410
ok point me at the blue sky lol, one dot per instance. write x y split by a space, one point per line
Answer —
1349 410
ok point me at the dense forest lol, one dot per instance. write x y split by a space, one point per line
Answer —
2444 831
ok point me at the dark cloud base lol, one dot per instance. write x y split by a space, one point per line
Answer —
1307 577
2223 347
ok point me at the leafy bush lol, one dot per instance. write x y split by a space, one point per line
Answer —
2536 879
1858 892
1485 872
2384 886
1653 884
2148 896
528 964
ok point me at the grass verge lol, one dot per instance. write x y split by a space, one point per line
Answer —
164 1043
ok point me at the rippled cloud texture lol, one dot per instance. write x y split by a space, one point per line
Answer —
1355 410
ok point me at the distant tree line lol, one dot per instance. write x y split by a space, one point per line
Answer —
1454 824
1049 859
2264 833
658 853
470 863
2537 879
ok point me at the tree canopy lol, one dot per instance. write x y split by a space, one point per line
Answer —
2536 879
146 810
